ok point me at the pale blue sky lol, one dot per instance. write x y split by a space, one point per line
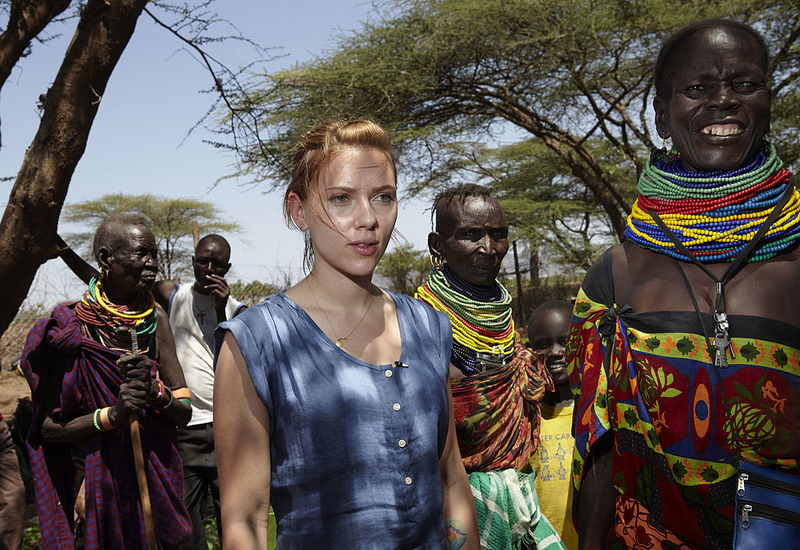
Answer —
154 97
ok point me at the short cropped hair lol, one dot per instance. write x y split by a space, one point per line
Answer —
668 59
108 234
459 192
216 239
551 305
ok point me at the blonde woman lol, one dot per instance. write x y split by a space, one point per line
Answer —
331 399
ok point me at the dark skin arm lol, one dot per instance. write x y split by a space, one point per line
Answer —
219 289
162 290
170 370
78 265
133 394
597 495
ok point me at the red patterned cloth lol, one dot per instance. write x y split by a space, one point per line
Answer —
498 413
86 377
674 458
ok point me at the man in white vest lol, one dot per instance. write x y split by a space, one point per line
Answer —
195 310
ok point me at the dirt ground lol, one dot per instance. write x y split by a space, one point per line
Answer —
12 387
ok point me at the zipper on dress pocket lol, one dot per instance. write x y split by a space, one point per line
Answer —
758 510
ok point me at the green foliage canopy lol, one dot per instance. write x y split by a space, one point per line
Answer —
252 292
170 219
405 268
449 76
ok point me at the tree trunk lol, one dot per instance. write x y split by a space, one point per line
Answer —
28 226
26 19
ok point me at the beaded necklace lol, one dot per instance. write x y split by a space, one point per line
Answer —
481 318
714 214
112 322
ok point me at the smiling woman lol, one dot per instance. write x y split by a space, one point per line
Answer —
714 103
686 337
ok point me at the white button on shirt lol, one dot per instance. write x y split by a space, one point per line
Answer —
388 373
408 480
396 406
402 443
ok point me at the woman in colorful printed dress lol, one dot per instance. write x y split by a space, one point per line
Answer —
331 399
697 306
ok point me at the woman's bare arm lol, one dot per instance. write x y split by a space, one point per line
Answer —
597 496
241 436
459 507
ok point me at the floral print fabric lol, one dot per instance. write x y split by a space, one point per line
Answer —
674 449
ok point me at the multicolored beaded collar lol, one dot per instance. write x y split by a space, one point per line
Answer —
113 322
481 318
714 214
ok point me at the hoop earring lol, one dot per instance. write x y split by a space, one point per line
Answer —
437 262
103 275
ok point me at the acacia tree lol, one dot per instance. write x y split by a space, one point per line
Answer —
405 268
170 219
27 229
443 75
29 222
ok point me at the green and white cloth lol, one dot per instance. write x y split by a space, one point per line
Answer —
508 512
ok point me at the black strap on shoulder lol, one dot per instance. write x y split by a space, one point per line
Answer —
729 273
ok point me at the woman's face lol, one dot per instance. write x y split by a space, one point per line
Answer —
718 113
133 264
351 211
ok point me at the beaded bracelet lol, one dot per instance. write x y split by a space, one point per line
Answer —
96 423
167 391
159 392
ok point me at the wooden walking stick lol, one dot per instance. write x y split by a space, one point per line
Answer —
138 459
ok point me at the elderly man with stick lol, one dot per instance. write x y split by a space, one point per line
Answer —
108 393
194 312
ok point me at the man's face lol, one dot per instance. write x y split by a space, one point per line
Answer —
548 335
133 264
210 260
472 239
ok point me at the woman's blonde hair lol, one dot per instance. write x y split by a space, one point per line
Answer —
316 150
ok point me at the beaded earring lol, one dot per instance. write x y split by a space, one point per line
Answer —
663 155
437 262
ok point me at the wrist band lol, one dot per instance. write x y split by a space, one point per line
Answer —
105 421
96 423
182 393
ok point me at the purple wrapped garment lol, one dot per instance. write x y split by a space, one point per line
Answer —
56 353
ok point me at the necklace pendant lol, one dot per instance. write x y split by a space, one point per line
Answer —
339 342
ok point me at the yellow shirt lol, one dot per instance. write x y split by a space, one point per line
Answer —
552 463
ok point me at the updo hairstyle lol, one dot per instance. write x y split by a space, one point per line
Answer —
321 144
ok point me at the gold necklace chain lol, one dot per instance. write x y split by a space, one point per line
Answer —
339 339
